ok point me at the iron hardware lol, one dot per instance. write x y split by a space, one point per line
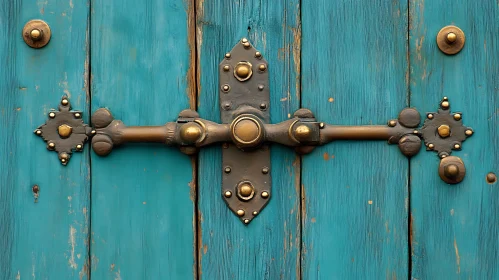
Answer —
246 132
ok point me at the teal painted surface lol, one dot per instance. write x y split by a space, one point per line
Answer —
47 239
455 228
268 248
142 195
354 69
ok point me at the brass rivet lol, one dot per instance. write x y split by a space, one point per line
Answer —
243 71
35 34
415 132
225 88
444 131
52 115
226 68
445 104
457 117
228 194
443 156
63 160
245 190
469 132
64 156
392 123
244 40
302 132
93 131
77 115
227 55
255 213
64 102
445 98
190 132
246 221
64 130
246 45
265 194
79 147
227 169
51 145
263 106
38 132
321 125
457 146
240 212
261 87
431 146
262 67
430 116
258 54
451 37
491 178
265 170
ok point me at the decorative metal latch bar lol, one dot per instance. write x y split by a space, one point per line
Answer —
246 132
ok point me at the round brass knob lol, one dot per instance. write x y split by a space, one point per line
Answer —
302 132
246 131
451 37
444 131
64 130
190 132
243 71
35 34
452 170
245 190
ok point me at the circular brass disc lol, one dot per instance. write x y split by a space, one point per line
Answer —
43 34
444 40
246 131
451 163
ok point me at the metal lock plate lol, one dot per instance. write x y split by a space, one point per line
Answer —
244 103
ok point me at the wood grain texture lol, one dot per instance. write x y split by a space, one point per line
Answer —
142 195
355 210
455 227
268 248
47 239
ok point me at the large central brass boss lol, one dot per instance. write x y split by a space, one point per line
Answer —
246 131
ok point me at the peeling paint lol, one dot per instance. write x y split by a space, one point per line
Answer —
72 243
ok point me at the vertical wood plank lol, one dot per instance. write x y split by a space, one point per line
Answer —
268 248
46 239
455 227
354 71
143 195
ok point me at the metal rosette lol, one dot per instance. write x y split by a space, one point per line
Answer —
65 131
444 131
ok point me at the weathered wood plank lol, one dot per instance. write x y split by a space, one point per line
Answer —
455 228
47 239
143 195
354 71
268 248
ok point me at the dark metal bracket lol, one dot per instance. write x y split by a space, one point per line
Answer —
246 133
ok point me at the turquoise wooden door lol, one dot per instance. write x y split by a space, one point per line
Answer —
347 210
